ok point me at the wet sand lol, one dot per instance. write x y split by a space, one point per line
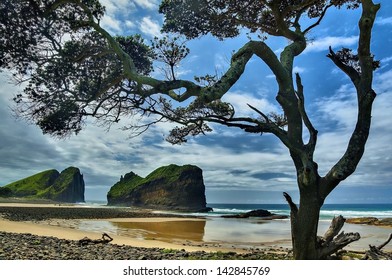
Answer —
191 234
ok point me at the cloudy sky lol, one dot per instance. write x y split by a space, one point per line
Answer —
238 168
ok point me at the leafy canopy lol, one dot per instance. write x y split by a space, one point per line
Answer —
75 69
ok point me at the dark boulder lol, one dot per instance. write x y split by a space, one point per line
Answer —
259 213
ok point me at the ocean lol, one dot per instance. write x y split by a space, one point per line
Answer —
328 211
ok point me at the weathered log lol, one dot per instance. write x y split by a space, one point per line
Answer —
103 240
333 241
375 252
335 227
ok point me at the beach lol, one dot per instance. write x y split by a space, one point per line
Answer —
150 235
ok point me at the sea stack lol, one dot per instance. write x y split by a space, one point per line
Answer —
169 187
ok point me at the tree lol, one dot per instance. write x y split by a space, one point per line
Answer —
75 69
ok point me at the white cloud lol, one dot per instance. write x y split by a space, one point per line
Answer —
323 44
129 24
111 24
298 69
147 4
221 62
386 60
240 99
270 76
116 9
341 108
384 21
150 27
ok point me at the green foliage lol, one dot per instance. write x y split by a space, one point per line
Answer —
66 176
46 185
141 54
70 69
33 185
347 57
168 251
170 173
125 185
170 51
226 18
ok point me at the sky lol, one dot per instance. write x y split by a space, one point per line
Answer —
237 167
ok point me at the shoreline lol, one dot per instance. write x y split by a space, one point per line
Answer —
149 230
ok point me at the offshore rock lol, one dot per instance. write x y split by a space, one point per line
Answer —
67 186
259 213
169 187
370 221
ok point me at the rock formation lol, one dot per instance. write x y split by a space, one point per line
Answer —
168 187
67 186
370 221
259 213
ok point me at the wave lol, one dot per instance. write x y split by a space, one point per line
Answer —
324 214
357 213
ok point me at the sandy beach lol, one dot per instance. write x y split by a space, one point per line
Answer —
146 229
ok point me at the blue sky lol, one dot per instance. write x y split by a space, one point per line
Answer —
237 167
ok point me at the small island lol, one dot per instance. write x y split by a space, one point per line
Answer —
170 187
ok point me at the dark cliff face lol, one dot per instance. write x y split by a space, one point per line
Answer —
69 186
168 187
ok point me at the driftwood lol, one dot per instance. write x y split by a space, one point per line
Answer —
87 241
333 241
375 252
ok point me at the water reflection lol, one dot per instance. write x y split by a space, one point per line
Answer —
210 230
249 232
187 230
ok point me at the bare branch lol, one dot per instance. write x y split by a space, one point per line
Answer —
259 112
319 20
349 70
301 107
293 207
366 95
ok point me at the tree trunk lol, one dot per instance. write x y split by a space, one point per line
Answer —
304 225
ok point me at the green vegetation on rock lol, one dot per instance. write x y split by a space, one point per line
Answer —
170 173
125 185
168 187
67 186
32 185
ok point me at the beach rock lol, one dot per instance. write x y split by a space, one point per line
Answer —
370 221
362 220
169 187
67 186
260 213
16 246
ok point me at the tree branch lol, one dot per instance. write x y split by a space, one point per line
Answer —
350 71
293 207
319 20
301 107
366 95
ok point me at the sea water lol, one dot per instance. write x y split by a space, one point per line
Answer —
328 211
244 232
